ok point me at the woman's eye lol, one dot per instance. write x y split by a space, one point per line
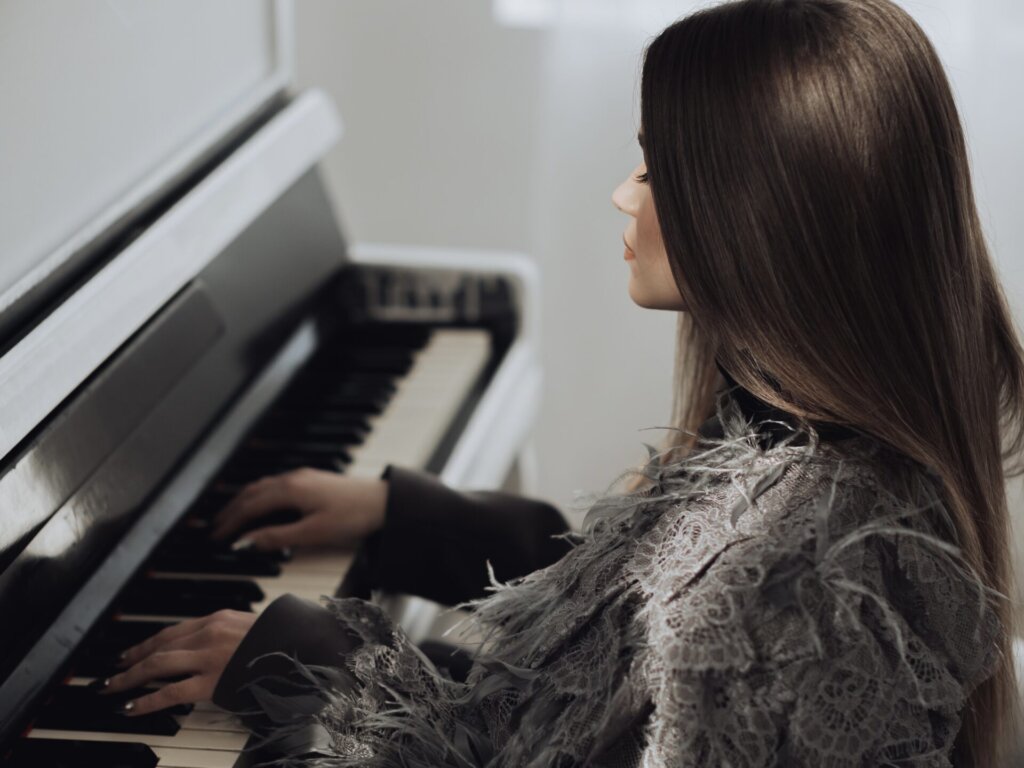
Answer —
643 177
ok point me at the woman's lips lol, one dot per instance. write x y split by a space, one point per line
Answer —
628 255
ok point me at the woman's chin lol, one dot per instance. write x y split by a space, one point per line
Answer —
643 299
637 295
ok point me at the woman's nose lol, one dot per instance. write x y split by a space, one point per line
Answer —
624 198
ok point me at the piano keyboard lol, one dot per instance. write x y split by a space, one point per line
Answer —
388 397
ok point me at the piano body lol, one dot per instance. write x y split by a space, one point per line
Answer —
226 333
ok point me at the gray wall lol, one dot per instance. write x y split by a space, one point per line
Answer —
460 131
105 102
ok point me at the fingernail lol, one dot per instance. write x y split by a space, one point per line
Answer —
242 544
128 706
105 683
122 655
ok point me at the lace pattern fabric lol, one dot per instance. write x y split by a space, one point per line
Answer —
798 606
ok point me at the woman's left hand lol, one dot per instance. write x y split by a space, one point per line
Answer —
199 647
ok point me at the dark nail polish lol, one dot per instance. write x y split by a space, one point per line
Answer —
128 706
105 683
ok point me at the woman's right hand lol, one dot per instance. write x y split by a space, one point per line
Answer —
336 510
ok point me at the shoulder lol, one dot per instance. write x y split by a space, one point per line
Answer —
808 610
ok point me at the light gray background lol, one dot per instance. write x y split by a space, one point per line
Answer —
103 102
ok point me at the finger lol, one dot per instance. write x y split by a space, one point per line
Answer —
239 501
158 641
184 692
297 534
155 667
271 494
193 641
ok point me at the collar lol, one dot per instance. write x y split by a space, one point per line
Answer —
757 411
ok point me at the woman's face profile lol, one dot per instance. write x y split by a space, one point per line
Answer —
651 283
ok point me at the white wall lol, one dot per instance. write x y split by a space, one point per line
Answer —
104 103
460 131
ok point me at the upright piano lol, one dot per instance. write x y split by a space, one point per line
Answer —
229 332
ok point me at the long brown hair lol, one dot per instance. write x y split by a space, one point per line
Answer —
812 184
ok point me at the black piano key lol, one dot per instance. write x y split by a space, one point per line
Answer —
116 636
459 298
338 433
79 708
213 500
95 665
283 417
277 517
258 448
343 434
312 408
252 465
391 363
396 362
243 563
385 286
410 335
410 296
97 685
189 597
231 488
373 405
98 654
197 541
70 753
241 471
209 503
331 383
285 462
193 542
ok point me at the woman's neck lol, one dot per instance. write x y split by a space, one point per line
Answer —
757 411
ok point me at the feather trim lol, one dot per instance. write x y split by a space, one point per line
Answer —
567 650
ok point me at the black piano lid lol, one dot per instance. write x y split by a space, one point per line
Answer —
112 444
109 406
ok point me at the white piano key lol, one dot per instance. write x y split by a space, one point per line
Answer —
183 739
307 585
306 581
172 757
308 562
153 617
328 569
211 719
425 402
205 715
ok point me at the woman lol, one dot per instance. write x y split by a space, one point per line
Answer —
814 570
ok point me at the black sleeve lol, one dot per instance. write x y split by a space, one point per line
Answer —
304 630
436 541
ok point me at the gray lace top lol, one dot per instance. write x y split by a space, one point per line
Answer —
800 605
